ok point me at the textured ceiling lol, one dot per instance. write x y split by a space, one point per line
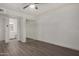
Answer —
18 7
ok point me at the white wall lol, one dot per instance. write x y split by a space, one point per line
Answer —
31 29
19 29
2 27
23 29
60 27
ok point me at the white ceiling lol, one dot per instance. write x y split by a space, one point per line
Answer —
18 7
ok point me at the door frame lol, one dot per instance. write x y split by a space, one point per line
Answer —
21 30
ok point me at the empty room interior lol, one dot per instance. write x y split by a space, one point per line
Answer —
39 29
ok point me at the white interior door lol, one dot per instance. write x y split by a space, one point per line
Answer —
6 30
2 28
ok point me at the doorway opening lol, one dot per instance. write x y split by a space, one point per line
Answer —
12 29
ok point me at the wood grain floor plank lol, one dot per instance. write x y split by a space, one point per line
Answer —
34 48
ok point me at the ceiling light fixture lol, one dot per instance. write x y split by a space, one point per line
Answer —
32 6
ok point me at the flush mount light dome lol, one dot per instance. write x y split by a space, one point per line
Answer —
32 6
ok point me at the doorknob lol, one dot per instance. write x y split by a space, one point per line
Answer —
7 25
